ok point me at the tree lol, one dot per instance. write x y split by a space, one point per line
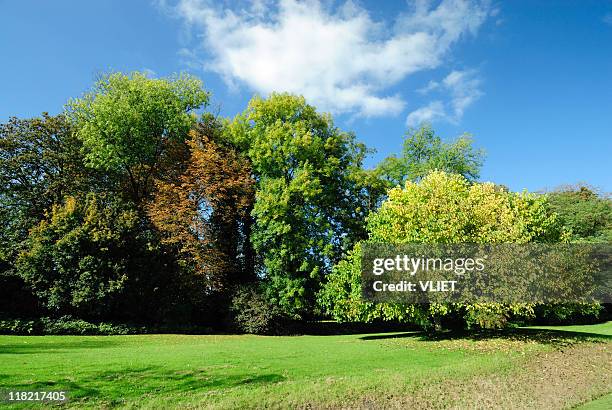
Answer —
79 259
40 163
447 208
587 215
423 151
310 204
441 208
204 212
127 121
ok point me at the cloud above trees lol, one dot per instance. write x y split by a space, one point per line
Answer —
340 57
462 88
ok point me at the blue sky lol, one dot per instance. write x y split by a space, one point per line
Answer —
530 80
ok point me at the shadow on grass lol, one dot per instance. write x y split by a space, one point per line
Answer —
54 347
72 389
116 387
331 328
391 335
183 379
556 338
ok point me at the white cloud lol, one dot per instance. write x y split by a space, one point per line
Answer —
431 86
339 58
189 59
608 19
463 87
429 113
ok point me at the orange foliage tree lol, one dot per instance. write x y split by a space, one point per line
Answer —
204 212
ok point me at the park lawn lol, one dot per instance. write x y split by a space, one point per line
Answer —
600 328
544 368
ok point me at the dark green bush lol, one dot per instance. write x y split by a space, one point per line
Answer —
19 327
68 325
253 313
569 313
65 325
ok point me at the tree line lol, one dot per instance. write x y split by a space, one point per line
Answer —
137 205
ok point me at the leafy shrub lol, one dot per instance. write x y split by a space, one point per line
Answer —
65 325
68 325
18 327
569 313
253 313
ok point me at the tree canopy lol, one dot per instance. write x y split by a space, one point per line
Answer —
423 151
585 213
78 258
308 202
441 208
204 211
40 163
126 121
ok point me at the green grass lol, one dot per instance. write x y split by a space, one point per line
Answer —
600 328
296 371
602 403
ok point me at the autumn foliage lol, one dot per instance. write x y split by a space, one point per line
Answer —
204 211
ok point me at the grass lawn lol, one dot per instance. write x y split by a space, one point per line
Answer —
556 367
599 329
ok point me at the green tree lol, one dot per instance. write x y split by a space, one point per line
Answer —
309 204
78 260
441 208
40 163
127 121
585 213
423 151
